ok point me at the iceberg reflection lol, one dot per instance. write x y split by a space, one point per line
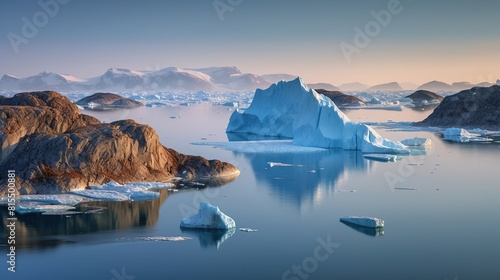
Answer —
210 238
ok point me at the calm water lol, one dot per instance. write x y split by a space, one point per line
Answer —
441 213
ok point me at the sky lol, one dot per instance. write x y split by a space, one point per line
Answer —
368 41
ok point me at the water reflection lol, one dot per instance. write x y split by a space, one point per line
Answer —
210 238
303 178
33 230
365 230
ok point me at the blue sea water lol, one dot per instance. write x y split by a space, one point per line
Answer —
440 211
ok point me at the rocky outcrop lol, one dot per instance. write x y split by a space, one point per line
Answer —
340 99
473 108
106 101
424 96
52 157
36 112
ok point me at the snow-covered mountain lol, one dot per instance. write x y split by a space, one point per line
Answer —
211 79
122 79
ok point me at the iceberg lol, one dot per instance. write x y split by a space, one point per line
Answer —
291 110
363 221
463 136
208 217
417 142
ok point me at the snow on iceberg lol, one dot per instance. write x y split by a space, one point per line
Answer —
363 221
461 135
208 217
290 109
417 142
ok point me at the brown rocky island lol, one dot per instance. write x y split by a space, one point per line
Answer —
55 149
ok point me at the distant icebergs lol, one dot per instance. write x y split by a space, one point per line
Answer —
463 136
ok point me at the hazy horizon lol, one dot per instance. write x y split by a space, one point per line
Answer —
401 41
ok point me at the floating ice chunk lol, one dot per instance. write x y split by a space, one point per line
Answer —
363 221
36 206
58 199
248 230
273 164
102 195
461 135
416 142
165 238
479 131
382 157
208 217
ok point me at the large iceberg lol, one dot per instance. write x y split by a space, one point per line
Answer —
208 217
290 109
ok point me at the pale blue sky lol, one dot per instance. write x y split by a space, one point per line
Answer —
426 40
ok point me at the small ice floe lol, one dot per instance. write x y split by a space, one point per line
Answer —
57 199
248 230
165 238
345 191
363 221
416 142
208 217
33 207
273 164
382 157
463 136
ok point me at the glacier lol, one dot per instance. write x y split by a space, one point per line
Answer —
208 217
292 110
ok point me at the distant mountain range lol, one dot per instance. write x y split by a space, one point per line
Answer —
203 79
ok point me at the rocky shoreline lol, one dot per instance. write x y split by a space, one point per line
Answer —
55 149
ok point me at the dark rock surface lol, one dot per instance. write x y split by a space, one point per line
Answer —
339 98
478 107
420 96
55 149
105 101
